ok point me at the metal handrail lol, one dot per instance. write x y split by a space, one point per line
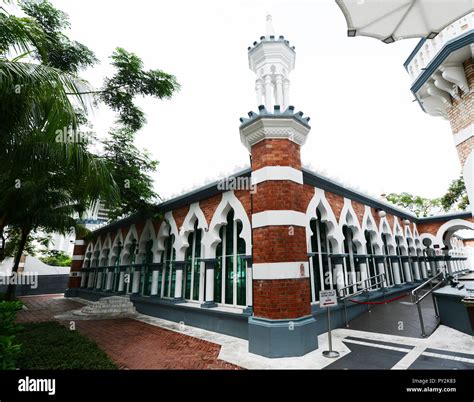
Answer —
364 290
417 300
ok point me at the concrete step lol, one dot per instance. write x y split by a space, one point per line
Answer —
108 306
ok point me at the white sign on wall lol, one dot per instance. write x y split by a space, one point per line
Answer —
327 298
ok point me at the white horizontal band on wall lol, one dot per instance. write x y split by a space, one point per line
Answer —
278 218
75 274
79 242
268 173
463 135
77 257
280 270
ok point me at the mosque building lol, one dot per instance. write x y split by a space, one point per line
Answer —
248 256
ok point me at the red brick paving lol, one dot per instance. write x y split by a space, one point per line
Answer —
129 343
137 345
45 307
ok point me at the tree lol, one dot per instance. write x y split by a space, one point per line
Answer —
420 206
456 196
130 81
34 104
45 181
35 244
56 258
130 169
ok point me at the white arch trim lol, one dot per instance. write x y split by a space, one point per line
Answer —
384 228
349 218
327 215
148 233
167 228
369 224
106 246
181 243
132 234
118 238
452 225
212 239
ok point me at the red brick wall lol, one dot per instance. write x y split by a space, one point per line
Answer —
278 195
376 216
359 210
274 152
336 202
284 298
209 206
180 214
288 298
244 197
279 244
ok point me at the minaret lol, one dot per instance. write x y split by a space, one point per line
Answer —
272 59
282 324
442 73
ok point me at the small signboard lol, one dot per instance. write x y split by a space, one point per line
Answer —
327 298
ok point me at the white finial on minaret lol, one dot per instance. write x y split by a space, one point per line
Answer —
270 31
272 59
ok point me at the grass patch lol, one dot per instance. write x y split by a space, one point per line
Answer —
50 345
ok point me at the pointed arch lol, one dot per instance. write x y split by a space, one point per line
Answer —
148 233
398 234
369 225
211 240
194 215
319 202
167 228
384 229
132 235
96 252
349 218
104 254
116 246
88 255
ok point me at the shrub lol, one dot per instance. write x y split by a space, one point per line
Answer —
9 349
9 352
8 311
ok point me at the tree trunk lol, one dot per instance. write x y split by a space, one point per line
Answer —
10 295
2 244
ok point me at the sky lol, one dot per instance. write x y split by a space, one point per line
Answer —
366 132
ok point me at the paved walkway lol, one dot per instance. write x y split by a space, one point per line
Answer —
45 307
145 342
397 318
130 343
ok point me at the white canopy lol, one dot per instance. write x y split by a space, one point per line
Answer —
391 20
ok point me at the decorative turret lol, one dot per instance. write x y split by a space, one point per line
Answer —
272 59
274 136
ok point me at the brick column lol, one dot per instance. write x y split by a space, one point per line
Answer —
78 254
461 117
282 324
